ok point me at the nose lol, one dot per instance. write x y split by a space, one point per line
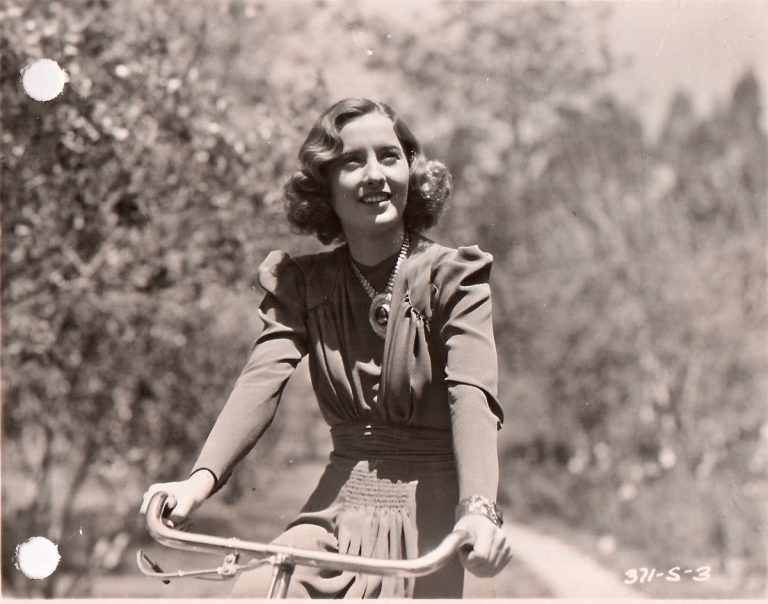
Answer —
374 176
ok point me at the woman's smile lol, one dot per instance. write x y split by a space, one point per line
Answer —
375 199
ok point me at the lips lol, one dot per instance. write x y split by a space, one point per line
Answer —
375 198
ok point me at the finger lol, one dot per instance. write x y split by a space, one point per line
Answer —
471 565
482 548
501 557
476 562
146 498
485 563
179 515
480 570
151 492
505 551
506 556
170 506
180 523
497 549
464 554
165 510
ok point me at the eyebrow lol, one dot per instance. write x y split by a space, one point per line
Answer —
351 154
354 152
390 148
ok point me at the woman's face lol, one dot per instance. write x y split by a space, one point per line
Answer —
369 181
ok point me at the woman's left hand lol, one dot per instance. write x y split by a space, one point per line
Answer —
490 551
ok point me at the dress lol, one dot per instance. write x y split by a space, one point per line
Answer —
397 408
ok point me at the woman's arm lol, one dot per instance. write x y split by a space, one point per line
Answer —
475 445
471 371
466 329
247 413
252 404
475 442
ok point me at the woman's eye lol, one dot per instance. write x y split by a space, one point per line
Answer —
350 163
390 158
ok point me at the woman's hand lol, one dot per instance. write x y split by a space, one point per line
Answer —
184 496
490 551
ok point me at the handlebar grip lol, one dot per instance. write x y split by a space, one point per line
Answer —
167 506
165 511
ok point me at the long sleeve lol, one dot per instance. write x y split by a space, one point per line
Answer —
466 329
475 442
252 404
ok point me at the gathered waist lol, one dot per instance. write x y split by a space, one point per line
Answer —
372 440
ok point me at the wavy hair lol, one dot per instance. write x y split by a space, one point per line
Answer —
308 191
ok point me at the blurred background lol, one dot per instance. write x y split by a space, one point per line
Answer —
611 156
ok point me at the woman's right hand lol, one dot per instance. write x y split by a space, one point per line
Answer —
184 496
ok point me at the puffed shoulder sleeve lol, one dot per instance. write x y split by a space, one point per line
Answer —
282 309
274 356
466 323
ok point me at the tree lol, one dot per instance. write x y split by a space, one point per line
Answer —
128 204
679 122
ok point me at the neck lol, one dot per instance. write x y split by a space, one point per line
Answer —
368 250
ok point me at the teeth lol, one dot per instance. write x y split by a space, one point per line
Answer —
375 198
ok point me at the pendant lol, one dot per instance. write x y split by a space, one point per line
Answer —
378 314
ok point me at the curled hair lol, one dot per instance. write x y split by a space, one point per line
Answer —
308 191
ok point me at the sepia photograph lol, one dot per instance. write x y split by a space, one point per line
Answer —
356 299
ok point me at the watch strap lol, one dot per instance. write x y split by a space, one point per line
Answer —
477 504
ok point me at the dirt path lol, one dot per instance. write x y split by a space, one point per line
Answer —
567 572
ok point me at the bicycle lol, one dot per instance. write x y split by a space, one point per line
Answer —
283 558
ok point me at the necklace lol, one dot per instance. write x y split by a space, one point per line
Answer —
378 312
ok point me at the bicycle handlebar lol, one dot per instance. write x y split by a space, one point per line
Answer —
285 554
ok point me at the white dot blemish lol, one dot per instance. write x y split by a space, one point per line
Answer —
43 80
37 557
173 85
122 71
120 134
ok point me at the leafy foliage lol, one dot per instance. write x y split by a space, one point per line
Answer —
129 203
643 319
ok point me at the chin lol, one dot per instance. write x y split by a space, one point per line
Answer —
388 221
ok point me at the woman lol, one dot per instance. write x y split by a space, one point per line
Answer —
402 358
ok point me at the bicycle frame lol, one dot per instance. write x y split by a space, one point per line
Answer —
283 558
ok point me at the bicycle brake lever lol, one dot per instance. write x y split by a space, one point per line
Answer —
142 558
228 569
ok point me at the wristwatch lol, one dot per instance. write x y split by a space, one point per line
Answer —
477 504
